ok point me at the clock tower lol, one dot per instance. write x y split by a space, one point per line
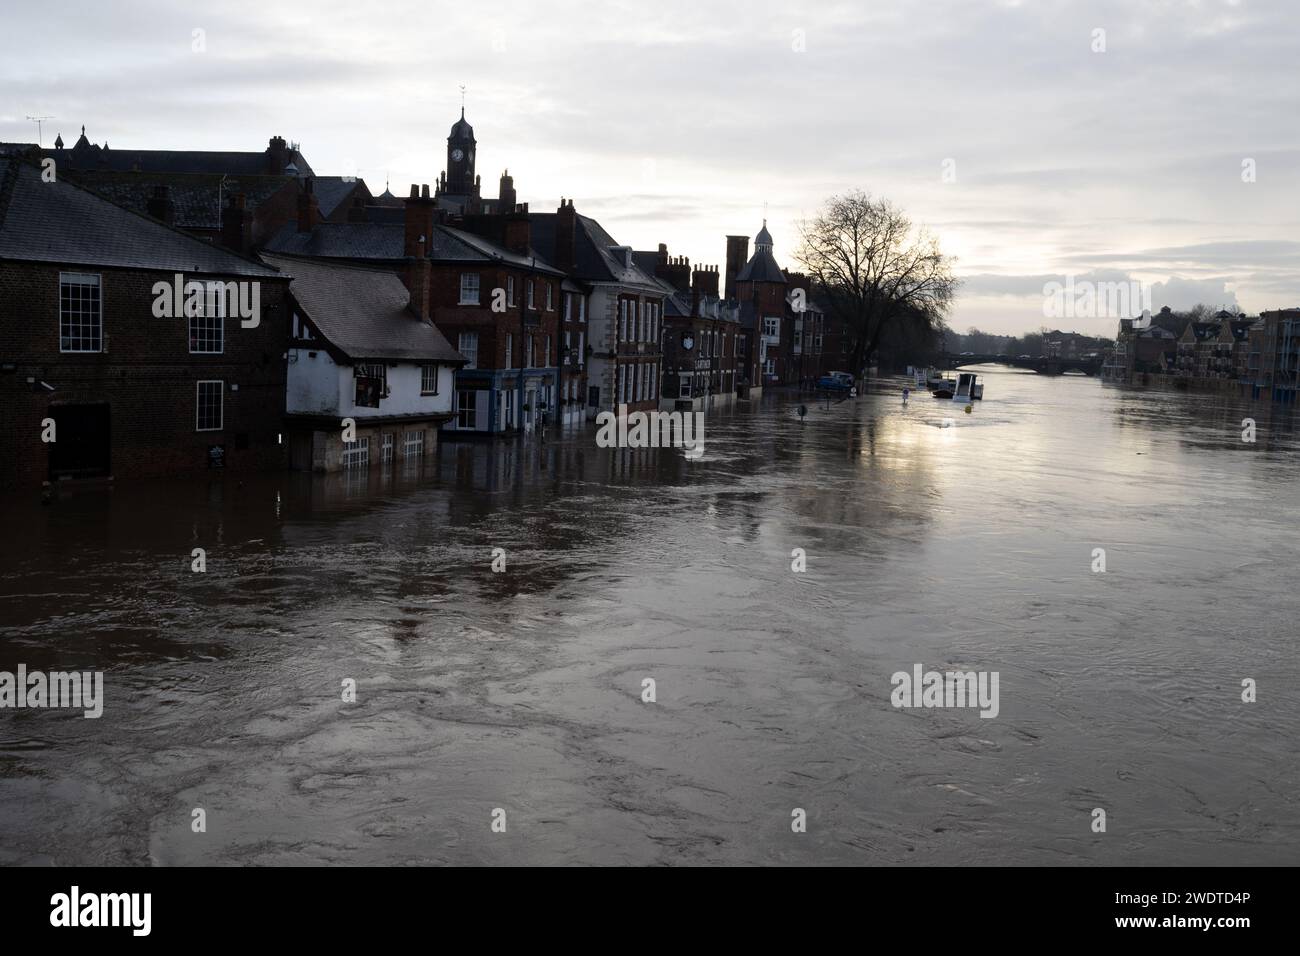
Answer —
460 159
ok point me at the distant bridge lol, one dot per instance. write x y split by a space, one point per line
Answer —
1043 366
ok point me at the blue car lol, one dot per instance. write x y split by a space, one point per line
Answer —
836 381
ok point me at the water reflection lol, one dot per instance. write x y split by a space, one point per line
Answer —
932 536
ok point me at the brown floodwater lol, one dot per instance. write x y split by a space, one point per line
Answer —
932 537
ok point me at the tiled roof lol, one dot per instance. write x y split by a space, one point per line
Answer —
368 240
594 262
490 250
196 198
363 312
761 268
65 223
332 190
85 155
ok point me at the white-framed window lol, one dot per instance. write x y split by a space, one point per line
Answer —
510 291
772 326
550 303
466 408
568 306
582 347
684 385
469 288
468 347
429 380
769 366
622 320
386 448
528 351
510 350
300 328
582 308
81 316
207 331
654 381
413 444
528 288
209 410
356 454
567 341
547 362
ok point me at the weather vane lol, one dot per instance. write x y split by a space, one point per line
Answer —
462 99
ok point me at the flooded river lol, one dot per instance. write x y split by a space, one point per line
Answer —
932 537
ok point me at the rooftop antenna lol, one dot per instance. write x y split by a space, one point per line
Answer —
38 120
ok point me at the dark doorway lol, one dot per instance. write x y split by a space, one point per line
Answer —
81 441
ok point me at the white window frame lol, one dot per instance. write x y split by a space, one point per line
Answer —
510 350
467 345
510 291
221 404
356 454
582 308
212 306
427 371
79 280
550 300
469 288
530 294
413 442
386 448
471 408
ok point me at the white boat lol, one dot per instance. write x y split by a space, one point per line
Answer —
968 388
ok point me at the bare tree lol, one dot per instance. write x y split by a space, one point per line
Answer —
874 270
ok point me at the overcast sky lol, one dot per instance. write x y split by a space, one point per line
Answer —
677 122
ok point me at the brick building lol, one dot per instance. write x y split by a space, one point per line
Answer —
701 340
625 309
92 338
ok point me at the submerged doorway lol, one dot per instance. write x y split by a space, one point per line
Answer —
81 441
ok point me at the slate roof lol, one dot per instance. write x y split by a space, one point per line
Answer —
195 197
764 237
330 191
85 155
593 260
367 240
761 268
363 312
65 223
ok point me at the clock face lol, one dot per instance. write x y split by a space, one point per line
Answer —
457 155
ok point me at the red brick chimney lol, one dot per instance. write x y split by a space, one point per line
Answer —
518 230
308 207
277 156
566 236
419 222
235 224
737 256
675 270
417 276
507 192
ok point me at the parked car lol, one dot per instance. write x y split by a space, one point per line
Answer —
839 381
